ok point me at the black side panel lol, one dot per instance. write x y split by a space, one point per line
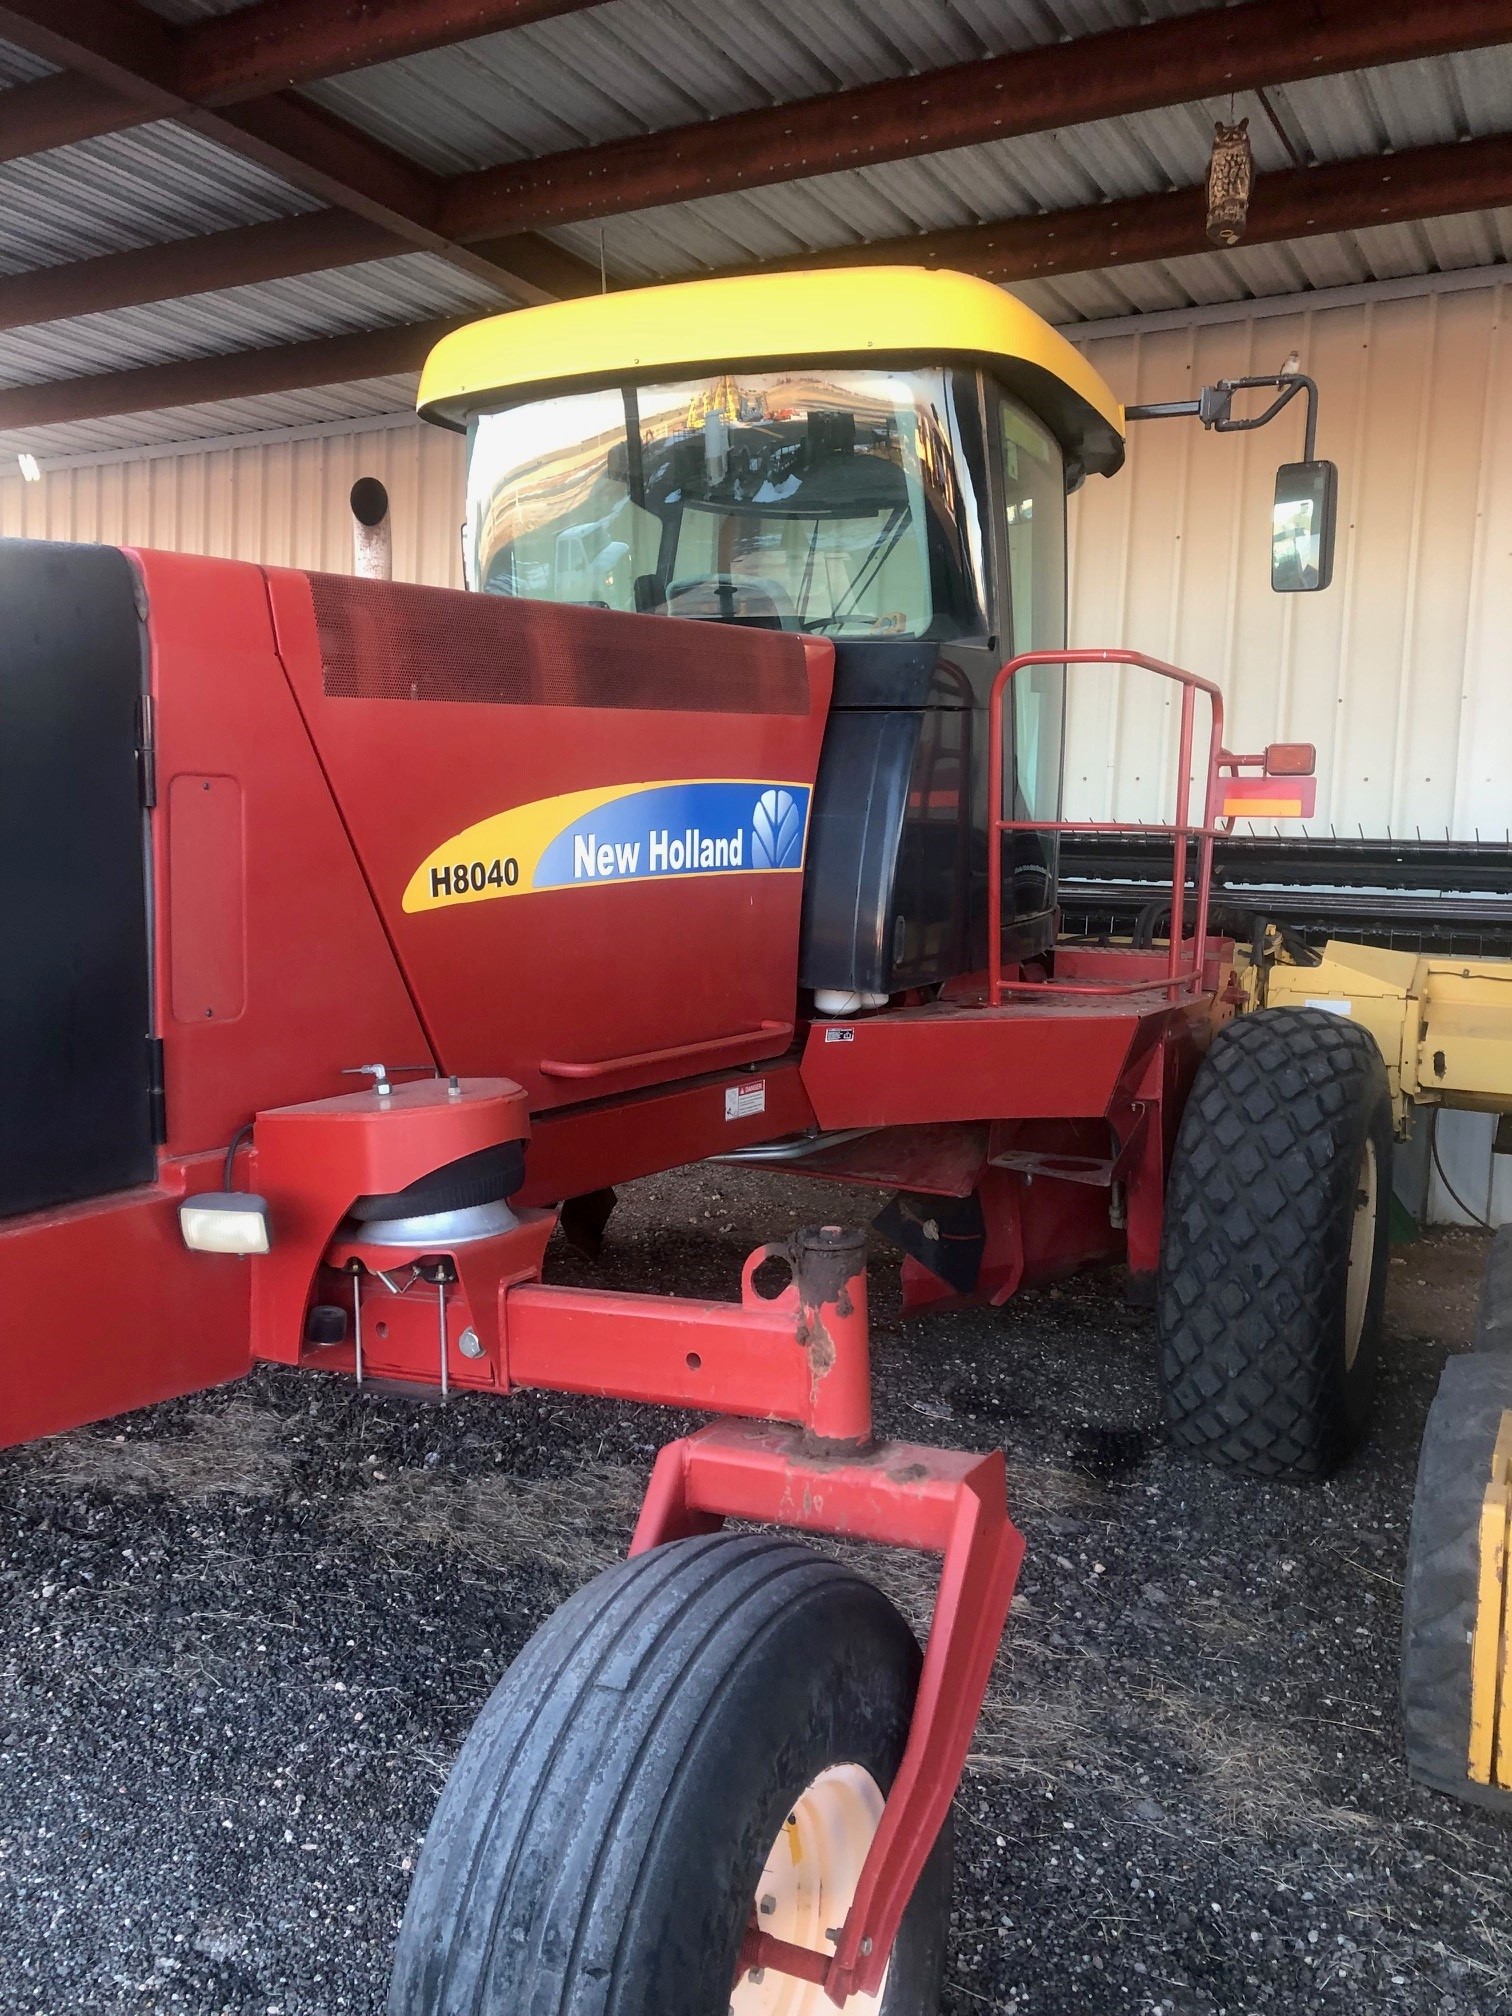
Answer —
860 804
892 672
896 877
75 1115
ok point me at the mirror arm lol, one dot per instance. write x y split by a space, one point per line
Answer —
1212 408
1166 409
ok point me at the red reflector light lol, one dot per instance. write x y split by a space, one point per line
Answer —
1290 759
1268 798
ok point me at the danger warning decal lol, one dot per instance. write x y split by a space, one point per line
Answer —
629 833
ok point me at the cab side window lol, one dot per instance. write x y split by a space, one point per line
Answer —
1034 505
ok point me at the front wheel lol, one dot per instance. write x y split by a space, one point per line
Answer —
1273 1255
701 1737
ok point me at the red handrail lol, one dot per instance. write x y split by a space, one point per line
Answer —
1179 977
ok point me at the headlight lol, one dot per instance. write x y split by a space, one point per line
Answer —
225 1221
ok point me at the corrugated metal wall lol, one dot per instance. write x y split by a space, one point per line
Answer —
1401 674
283 501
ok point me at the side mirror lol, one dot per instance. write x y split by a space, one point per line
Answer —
1302 526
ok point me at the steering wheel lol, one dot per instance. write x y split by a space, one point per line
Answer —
737 598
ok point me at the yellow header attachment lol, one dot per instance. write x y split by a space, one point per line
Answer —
859 314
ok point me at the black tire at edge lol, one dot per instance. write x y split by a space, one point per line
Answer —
597 1847
1254 1258
1493 1325
1443 1574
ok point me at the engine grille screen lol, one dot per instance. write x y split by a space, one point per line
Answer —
388 640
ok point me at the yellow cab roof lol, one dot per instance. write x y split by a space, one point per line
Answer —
862 314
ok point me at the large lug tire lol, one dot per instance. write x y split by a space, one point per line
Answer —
1273 1257
1440 1601
1493 1328
613 1821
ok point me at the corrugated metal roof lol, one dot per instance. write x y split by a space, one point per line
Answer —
1257 272
641 65
19 66
381 294
635 66
225 416
140 187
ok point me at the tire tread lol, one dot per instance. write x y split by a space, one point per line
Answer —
545 1832
1251 1281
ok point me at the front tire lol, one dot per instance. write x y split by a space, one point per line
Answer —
612 1823
1273 1256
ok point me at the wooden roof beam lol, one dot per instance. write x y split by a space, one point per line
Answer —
274 44
58 110
243 374
243 256
1355 195
271 45
240 257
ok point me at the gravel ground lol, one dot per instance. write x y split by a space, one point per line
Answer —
243 1637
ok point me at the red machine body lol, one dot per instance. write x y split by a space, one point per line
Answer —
394 827
315 741
613 982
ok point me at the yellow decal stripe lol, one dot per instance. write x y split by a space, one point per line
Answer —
1490 1758
519 835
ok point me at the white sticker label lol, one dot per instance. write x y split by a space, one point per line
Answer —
1331 1007
839 1035
741 1101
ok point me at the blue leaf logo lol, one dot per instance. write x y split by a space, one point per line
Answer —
776 831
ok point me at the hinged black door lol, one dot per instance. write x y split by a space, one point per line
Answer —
75 1105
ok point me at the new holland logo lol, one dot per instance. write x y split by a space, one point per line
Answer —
628 833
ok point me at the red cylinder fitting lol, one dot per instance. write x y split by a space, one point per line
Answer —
829 1274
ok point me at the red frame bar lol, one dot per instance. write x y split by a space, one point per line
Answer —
801 1356
900 1495
801 1359
1180 981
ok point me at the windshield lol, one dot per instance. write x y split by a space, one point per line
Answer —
808 498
